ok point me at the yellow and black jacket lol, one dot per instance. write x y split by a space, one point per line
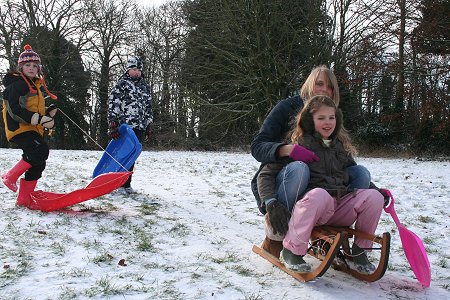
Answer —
22 98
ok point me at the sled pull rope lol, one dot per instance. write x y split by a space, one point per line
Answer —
86 134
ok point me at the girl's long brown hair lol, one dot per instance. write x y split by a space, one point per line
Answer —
311 107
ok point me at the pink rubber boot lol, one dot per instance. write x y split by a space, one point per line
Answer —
25 190
10 178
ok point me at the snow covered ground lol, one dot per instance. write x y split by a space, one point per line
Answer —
189 231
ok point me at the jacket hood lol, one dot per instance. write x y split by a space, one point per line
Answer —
11 77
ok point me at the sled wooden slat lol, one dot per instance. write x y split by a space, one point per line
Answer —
338 239
304 277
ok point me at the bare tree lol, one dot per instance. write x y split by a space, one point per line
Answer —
11 30
110 30
163 48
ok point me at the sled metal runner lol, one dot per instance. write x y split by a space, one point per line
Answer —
337 241
381 243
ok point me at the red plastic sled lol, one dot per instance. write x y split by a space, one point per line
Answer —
99 186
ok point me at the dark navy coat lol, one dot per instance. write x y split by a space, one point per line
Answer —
272 135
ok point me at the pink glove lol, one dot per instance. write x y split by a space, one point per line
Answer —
302 154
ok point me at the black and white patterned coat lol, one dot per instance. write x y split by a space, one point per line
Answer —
130 102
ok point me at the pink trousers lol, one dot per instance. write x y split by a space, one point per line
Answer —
317 207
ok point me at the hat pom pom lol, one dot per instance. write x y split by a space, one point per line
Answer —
27 47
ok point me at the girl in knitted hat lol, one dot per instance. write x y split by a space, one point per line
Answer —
25 116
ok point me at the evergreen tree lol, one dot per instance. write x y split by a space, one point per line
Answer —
244 56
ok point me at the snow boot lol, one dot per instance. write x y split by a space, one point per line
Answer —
294 262
25 190
362 263
10 178
272 246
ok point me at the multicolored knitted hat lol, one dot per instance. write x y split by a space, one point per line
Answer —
134 62
29 55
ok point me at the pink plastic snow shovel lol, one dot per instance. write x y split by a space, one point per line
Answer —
413 247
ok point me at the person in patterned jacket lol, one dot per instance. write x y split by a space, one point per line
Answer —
130 103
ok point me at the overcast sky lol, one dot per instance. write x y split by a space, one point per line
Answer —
150 2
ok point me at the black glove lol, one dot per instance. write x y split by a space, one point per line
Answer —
51 110
113 130
386 196
279 217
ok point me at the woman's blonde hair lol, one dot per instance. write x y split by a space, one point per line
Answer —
306 91
304 122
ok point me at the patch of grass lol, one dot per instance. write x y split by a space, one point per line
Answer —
103 208
105 287
157 266
58 248
385 222
138 276
76 272
443 263
104 257
146 209
239 269
170 291
21 268
253 297
179 230
67 294
117 231
123 221
229 257
94 243
61 222
104 228
431 250
426 219
418 205
219 194
428 240
390 267
32 223
218 241
144 241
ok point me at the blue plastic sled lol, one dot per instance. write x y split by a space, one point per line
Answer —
125 150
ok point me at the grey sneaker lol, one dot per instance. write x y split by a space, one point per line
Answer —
362 263
130 190
294 262
126 191
120 190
